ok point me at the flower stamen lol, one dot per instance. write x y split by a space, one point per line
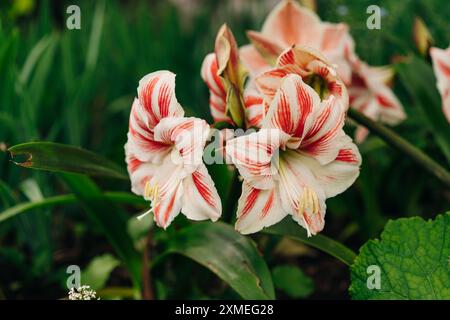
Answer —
151 193
308 202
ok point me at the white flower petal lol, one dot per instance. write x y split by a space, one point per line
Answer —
292 107
257 209
255 156
200 198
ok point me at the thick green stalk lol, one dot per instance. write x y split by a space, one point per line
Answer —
398 143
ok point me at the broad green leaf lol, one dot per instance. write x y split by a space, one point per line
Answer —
413 259
64 158
110 219
289 228
114 196
97 272
231 256
292 281
418 78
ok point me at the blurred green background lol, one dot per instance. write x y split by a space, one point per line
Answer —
76 87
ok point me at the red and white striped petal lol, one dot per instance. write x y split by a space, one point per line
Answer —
253 61
334 37
293 24
187 136
301 56
168 207
156 94
292 107
218 94
168 191
320 142
269 48
370 94
300 193
306 61
312 221
257 209
338 175
336 46
255 108
141 140
139 172
269 82
391 109
441 67
200 198
334 84
255 156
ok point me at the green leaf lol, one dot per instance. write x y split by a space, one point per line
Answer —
292 281
95 37
36 229
34 57
231 256
98 271
413 259
64 158
114 196
288 228
110 219
6 195
418 78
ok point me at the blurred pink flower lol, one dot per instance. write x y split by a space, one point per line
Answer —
370 92
441 67
290 24
164 154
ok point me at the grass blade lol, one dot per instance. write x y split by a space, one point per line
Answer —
49 202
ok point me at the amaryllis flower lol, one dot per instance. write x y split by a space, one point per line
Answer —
441 66
370 93
164 154
290 24
314 69
298 159
225 76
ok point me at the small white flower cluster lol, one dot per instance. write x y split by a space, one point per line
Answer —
82 293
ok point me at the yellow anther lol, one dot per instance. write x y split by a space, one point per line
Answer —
308 200
151 191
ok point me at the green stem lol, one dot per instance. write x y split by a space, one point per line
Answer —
402 145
